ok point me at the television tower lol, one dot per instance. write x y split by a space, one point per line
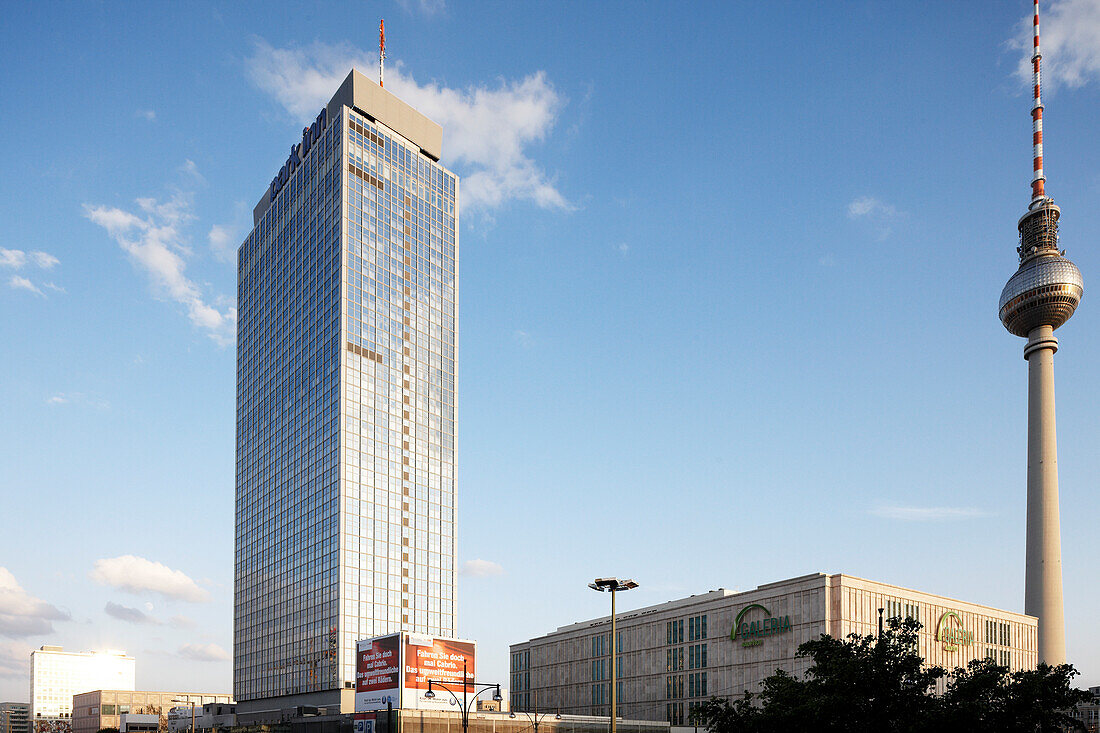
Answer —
1039 298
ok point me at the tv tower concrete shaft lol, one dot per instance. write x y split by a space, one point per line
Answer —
1043 576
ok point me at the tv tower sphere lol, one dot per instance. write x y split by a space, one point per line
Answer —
1046 289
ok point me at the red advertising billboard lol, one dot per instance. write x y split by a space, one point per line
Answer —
378 673
439 660
397 668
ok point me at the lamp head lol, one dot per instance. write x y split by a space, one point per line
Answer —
612 584
496 695
557 717
511 715
429 694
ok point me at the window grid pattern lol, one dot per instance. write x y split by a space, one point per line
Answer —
697 656
287 487
347 292
697 684
697 628
399 389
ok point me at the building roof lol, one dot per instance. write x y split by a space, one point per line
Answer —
371 100
680 604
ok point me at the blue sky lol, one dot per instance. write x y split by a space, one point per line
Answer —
729 277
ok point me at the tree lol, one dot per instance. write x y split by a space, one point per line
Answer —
868 683
986 697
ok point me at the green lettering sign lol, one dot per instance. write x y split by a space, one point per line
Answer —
752 633
950 632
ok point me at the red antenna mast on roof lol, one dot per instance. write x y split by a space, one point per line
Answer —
381 51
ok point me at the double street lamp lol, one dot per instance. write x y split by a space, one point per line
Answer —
613 585
479 686
535 718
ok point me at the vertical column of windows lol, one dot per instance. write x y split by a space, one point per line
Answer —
400 336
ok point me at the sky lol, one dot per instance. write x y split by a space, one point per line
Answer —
728 282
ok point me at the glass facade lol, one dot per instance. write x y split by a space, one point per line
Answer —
347 300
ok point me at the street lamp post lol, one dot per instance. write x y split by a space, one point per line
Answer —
192 703
613 585
535 718
481 687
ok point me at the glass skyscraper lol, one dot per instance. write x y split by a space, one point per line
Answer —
346 348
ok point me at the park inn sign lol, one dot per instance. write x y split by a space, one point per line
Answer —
752 633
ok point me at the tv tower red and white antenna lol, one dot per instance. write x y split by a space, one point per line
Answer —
381 51
1038 180
1041 296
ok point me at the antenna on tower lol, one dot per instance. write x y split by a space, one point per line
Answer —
1038 180
382 49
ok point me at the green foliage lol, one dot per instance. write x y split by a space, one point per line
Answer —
986 697
864 683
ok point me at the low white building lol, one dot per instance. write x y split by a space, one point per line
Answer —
675 656
57 675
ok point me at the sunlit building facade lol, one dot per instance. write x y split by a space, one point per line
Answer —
98 709
673 657
58 675
346 366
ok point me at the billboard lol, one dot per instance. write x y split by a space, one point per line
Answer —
397 668
439 660
378 673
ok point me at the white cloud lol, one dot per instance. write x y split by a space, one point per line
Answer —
870 206
17 258
154 240
21 614
148 114
225 238
928 514
130 615
487 130
45 260
623 248
191 170
204 653
22 283
14 258
1070 43
138 575
221 241
480 568
424 7
881 215
77 398
522 338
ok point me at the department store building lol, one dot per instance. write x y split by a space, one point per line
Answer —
675 656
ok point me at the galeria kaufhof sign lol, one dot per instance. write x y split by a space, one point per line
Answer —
753 631
951 633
